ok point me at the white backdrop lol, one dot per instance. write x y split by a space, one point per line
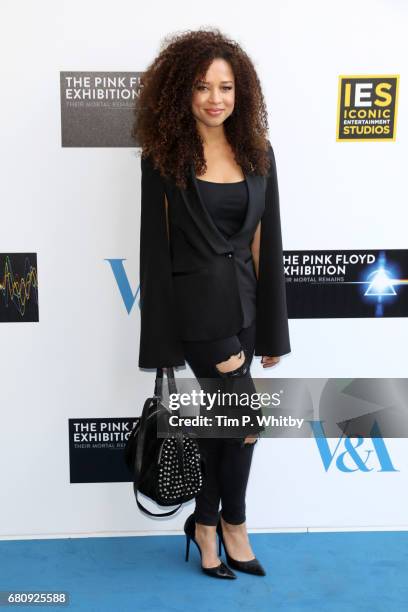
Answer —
76 207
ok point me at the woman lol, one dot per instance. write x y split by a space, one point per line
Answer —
212 287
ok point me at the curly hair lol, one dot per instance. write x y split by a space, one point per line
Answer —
165 126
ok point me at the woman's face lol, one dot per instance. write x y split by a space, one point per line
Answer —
216 92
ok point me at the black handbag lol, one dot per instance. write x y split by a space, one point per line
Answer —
167 470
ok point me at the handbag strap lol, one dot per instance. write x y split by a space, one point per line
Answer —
141 506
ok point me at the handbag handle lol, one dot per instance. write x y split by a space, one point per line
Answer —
171 381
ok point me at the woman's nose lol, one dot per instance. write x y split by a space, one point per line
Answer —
215 97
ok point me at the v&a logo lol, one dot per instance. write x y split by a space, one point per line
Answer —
355 456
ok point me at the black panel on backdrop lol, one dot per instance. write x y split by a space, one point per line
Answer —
96 448
341 284
18 288
97 108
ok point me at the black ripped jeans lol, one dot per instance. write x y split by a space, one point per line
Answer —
226 460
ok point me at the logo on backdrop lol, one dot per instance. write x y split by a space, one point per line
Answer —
367 107
97 108
325 284
96 449
123 283
18 287
353 458
359 413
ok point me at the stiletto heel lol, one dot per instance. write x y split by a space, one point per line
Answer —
249 567
219 571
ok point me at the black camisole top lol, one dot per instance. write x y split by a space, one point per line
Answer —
226 203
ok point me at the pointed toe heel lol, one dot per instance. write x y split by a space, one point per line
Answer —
249 567
219 571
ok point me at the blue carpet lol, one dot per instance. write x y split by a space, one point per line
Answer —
323 572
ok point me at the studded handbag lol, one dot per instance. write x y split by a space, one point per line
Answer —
167 470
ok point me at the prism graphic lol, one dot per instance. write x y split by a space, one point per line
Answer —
381 283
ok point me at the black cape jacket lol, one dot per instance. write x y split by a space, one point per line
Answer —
189 284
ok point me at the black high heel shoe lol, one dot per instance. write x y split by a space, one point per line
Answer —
219 571
249 567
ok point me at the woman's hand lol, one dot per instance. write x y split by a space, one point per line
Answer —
269 361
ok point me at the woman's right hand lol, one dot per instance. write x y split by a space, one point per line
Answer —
267 361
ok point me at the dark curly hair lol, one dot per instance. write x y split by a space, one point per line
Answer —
165 126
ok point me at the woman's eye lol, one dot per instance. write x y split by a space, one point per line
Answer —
201 87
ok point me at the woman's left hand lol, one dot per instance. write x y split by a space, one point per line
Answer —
269 361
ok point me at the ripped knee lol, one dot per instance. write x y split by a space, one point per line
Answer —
236 365
230 364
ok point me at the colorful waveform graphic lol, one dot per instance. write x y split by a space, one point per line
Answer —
18 287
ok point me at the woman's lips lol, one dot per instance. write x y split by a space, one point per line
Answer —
214 112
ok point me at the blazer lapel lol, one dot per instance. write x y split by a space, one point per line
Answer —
203 219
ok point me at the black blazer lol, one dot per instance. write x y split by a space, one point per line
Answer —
189 287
